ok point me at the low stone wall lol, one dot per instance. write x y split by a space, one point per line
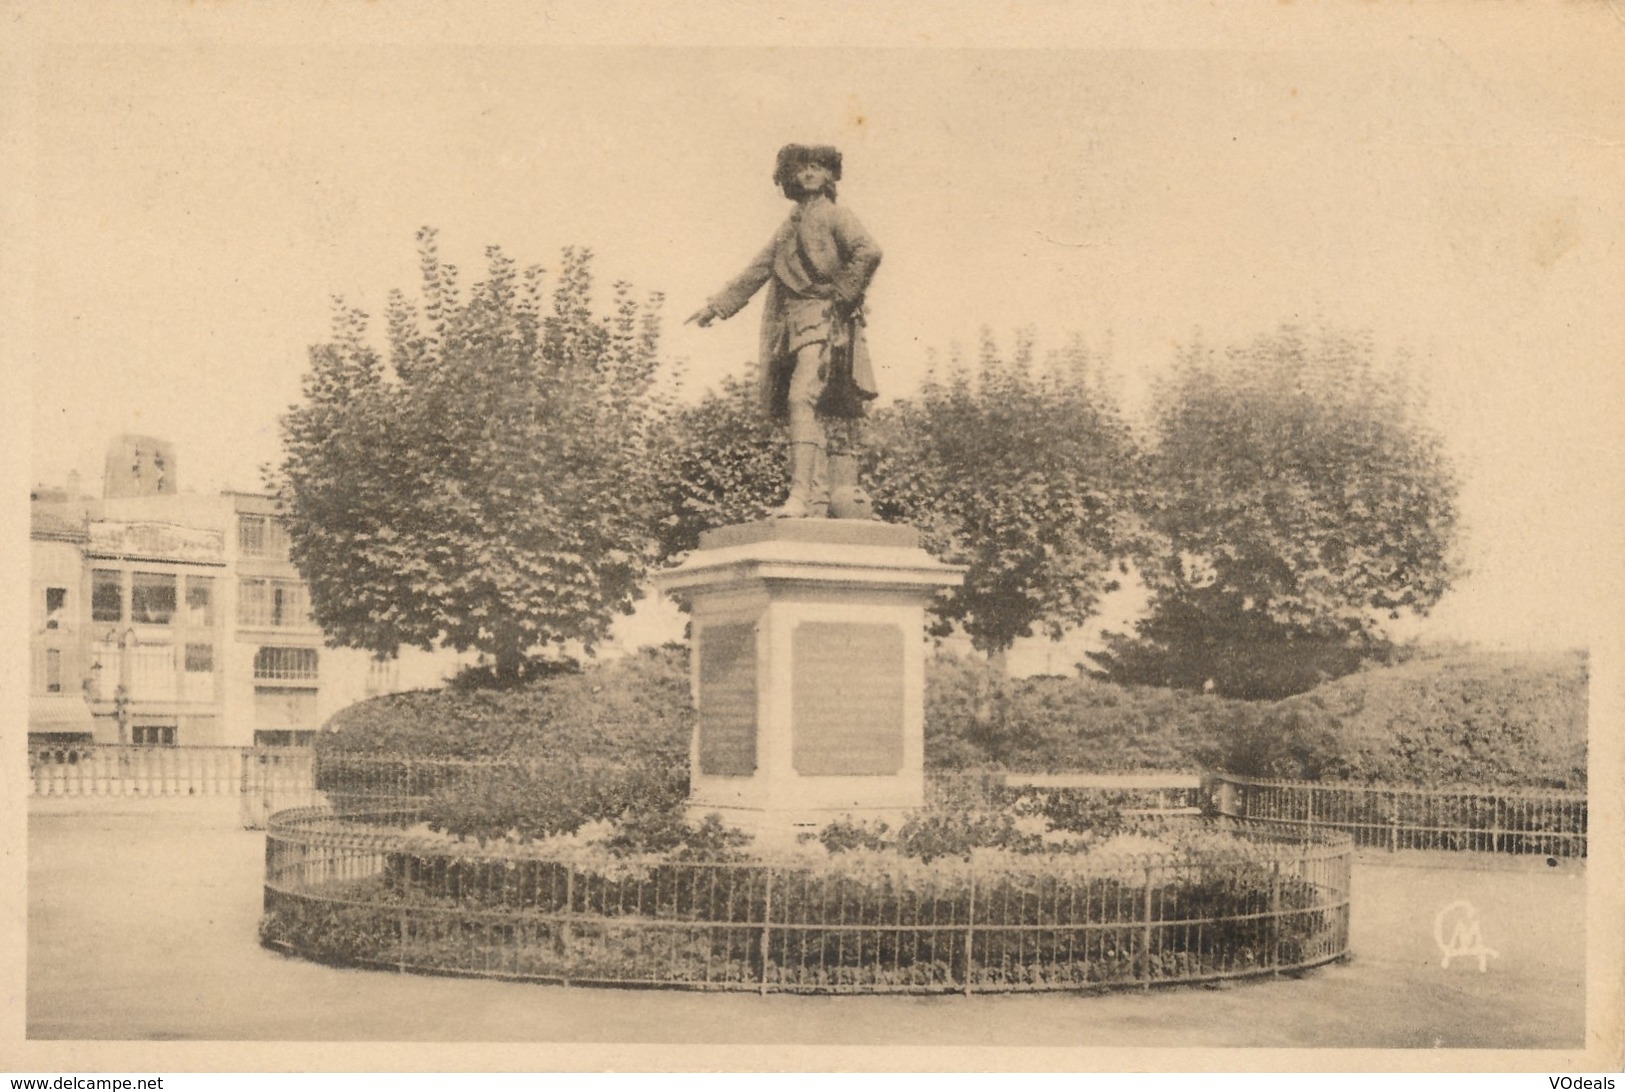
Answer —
265 779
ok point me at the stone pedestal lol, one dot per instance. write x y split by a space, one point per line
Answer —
808 641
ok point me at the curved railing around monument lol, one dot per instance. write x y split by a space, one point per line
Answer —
1551 822
1231 900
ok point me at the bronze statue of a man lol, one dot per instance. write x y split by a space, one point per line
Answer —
815 371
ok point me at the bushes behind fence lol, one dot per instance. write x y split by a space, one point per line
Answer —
975 717
637 703
1480 719
1463 719
532 761
1210 906
613 739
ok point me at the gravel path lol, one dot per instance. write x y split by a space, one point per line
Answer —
142 918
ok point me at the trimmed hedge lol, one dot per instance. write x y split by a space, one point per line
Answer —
1482 719
611 742
1500 720
975 718
636 704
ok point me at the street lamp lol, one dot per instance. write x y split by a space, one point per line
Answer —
121 693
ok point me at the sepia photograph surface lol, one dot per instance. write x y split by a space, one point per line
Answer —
814 540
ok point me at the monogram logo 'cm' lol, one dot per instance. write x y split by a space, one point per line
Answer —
1464 938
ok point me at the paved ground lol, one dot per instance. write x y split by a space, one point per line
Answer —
142 917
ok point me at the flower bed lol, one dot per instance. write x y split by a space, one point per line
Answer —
1186 903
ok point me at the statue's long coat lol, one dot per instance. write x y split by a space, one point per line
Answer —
821 253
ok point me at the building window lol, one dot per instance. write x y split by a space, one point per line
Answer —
106 595
153 735
200 658
283 738
251 536
285 663
200 601
253 602
197 684
290 606
53 671
152 599
56 600
262 536
280 603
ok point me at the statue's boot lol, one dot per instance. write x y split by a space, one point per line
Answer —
809 483
847 499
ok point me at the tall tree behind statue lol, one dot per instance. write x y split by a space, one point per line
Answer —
1026 474
1299 501
490 488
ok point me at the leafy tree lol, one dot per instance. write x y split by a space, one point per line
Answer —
489 489
1298 501
720 461
1028 476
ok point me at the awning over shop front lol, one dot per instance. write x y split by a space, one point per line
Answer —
59 713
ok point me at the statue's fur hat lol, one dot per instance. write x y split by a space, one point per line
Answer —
794 156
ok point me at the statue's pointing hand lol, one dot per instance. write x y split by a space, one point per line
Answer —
705 316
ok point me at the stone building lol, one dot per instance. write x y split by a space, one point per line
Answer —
169 618
58 668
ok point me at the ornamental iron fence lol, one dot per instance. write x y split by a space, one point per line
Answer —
275 779
1148 792
1543 821
350 781
375 891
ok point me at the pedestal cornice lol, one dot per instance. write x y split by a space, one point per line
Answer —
849 552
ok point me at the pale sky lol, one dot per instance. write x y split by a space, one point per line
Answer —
195 199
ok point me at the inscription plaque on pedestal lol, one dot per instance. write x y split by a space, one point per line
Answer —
727 720
809 678
846 699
